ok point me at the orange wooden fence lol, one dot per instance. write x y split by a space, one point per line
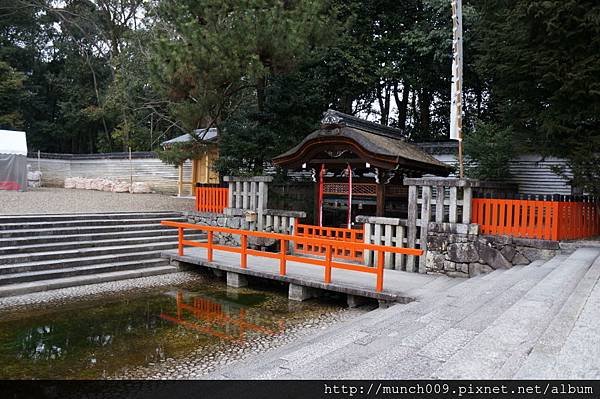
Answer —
330 247
333 233
546 220
211 199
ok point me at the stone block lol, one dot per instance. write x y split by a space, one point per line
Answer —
462 252
508 252
434 260
476 269
540 244
436 243
355 301
536 253
492 257
473 229
301 293
457 274
233 222
520 260
449 266
236 280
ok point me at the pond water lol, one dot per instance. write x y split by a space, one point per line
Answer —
104 338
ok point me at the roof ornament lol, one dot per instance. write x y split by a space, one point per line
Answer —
331 117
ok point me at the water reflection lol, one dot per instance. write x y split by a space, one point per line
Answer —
221 319
100 338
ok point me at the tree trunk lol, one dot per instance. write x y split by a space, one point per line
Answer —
401 103
261 84
424 112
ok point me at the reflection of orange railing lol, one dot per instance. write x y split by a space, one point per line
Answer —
334 233
283 256
208 311
547 220
211 199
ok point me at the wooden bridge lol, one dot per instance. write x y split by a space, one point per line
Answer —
298 270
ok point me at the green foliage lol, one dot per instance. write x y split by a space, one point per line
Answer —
488 150
11 83
542 62
179 153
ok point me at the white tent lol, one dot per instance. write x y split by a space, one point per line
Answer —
13 160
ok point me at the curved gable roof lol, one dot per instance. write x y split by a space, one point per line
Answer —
383 146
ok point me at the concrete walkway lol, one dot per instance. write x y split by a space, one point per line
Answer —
538 321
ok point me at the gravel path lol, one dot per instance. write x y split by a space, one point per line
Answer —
60 200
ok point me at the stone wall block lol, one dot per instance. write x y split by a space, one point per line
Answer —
476 269
492 257
508 252
463 252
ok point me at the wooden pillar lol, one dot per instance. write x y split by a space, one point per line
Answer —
380 199
195 164
180 180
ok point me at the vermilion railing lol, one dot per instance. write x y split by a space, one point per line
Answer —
333 233
330 246
547 220
211 199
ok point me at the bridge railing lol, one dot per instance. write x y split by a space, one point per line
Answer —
284 239
330 233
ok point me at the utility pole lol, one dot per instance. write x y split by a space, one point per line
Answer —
457 72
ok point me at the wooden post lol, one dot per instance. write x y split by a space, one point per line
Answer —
244 253
380 210
282 265
452 215
467 197
411 235
380 257
209 249
180 180
388 243
180 241
328 264
439 204
425 218
368 254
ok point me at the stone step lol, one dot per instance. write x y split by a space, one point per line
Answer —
14 259
515 331
16 278
85 216
440 284
79 230
419 344
46 239
44 285
84 223
76 262
67 244
541 363
579 358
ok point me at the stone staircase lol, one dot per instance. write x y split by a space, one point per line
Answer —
42 252
530 322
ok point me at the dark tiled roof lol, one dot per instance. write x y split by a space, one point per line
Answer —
374 138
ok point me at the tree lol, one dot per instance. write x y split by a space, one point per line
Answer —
11 82
542 64
217 60
489 149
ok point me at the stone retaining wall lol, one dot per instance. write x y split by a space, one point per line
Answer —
458 250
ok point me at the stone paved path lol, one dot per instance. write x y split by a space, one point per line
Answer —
538 321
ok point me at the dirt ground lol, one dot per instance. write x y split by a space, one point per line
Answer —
60 200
